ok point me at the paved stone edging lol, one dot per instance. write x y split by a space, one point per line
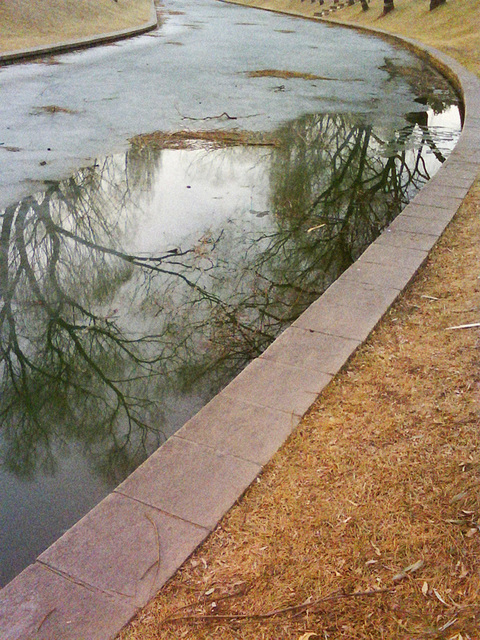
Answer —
89 583
18 55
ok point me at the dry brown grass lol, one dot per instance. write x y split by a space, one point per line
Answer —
33 23
382 474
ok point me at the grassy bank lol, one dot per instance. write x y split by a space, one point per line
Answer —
378 488
32 23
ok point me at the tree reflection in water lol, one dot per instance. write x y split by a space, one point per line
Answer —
74 366
337 184
100 342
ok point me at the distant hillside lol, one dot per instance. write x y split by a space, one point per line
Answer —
32 23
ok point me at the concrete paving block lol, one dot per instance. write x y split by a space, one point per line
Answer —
239 429
470 82
278 386
359 295
470 145
473 117
469 152
457 179
456 164
440 200
43 605
411 239
472 100
403 257
191 481
89 583
419 225
460 156
473 114
316 351
472 127
124 548
353 322
421 210
472 110
470 139
436 191
396 276
474 155
460 175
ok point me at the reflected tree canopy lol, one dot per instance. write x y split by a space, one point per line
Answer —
100 341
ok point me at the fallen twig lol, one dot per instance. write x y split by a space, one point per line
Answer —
318 226
157 539
45 618
296 609
243 590
464 326
222 115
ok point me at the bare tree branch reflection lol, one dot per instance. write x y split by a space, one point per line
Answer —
99 341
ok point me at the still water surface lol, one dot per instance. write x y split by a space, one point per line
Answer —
136 287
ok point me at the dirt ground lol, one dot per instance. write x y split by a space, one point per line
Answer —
366 524
32 23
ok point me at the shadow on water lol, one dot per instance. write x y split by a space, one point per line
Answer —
135 290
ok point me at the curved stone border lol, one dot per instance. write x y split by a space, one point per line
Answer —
10 57
91 581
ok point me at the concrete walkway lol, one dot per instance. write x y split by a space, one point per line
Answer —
95 577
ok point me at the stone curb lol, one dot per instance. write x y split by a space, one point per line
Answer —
9 57
91 582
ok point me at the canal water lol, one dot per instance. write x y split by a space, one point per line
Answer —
140 273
